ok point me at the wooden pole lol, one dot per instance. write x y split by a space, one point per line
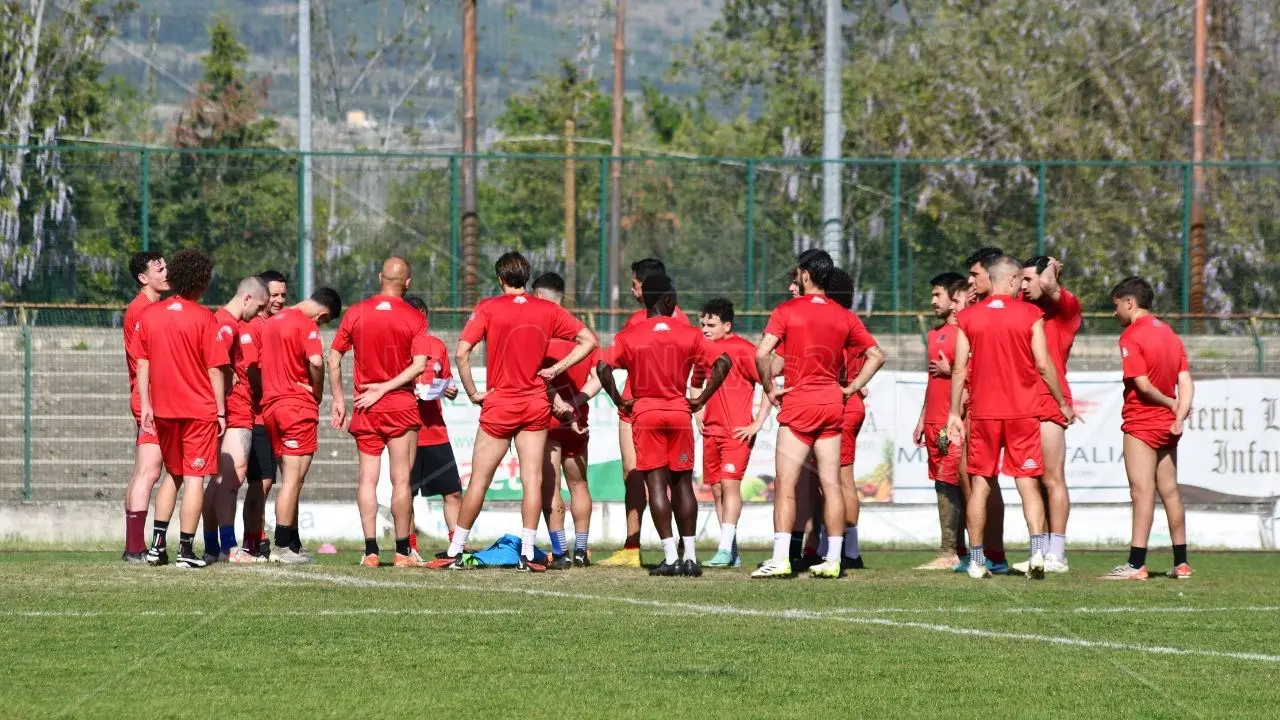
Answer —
470 224
615 172
570 218
1197 250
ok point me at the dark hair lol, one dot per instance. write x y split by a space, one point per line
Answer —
140 261
1039 262
644 269
416 302
189 273
330 299
549 281
984 255
840 288
951 282
719 307
512 269
270 276
817 263
655 288
1136 288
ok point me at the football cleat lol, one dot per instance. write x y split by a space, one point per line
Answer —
942 562
560 562
692 568
189 562
1179 572
209 558
722 559
288 556
624 558
529 566
979 572
666 569
1054 565
412 560
830 569
1035 566
157 556
581 558
240 556
1125 572
848 563
137 558
772 568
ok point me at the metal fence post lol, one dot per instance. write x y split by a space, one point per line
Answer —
26 406
1041 200
602 253
300 181
1187 189
455 229
897 241
144 211
751 234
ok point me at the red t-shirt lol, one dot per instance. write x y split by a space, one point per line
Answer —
246 356
1002 373
517 329
287 340
228 338
658 355
937 393
181 341
816 332
1150 347
570 382
255 337
431 412
1062 320
132 315
733 405
386 333
636 317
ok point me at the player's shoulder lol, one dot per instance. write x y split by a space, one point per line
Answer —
436 345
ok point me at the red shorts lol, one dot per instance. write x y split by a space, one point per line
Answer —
942 468
1048 411
1154 439
292 429
571 444
503 418
1018 437
189 447
664 438
724 458
855 412
239 412
810 423
144 438
374 429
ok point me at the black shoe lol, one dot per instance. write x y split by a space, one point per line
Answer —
529 566
189 562
666 569
457 563
581 558
802 564
692 568
137 558
264 549
157 556
848 563
443 554
560 562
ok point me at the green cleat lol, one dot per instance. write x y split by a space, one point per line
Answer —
723 559
772 568
828 569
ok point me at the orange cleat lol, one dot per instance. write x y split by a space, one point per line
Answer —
370 561
1179 572
412 560
1126 572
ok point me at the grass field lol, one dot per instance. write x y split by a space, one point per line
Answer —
83 635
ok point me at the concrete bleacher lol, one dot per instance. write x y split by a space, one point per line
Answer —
82 432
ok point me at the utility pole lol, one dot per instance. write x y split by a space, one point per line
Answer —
470 224
307 247
1197 258
570 217
615 171
832 135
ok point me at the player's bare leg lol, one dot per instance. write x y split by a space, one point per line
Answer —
658 482
166 502
789 463
1033 511
976 505
451 502
1053 440
293 472
804 531
233 464
684 504
575 476
852 557
1175 512
826 453
1140 464
368 468
633 501
400 454
148 468
486 455
553 507
717 499
209 518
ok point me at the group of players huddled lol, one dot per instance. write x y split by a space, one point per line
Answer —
230 398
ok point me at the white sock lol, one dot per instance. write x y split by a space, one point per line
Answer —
851 549
782 547
834 546
728 535
690 548
670 556
459 540
526 542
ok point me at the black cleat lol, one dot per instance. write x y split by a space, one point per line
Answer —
560 562
189 562
848 563
692 568
137 558
157 556
264 549
802 564
581 558
666 569
530 566
443 554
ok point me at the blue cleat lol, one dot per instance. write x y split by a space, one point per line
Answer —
998 568
962 566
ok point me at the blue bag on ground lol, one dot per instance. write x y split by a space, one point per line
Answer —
505 553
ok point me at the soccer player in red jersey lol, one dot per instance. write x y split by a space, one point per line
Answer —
839 287
435 469
151 274
261 473
567 442
727 426
389 339
1062 320
949 295
658 354
178 352
1157 397
291 363
817 332
517 329
220 495
1001 352
633 481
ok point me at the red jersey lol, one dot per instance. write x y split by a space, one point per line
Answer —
733 406
246 356
132 315
182 342
386 333
228 338
255 337
1150 347
640 316
816 332
658 355
1062 320
570 382
517 329
288 339
431 412
937 393
1002 371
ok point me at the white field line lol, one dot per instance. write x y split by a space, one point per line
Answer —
1105 610
241 613
709 610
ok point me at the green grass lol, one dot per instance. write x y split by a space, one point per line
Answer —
82 635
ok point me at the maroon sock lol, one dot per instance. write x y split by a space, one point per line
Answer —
631 544
996 556
135 531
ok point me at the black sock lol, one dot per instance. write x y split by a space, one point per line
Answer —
797 544
402 546
1137 557
186 541
284 536
1179 554
371 546
159 531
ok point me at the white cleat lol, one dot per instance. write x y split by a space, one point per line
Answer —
1020 568
1035 566
773 568
828 569
240 556
979 571
289 557
1053 565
